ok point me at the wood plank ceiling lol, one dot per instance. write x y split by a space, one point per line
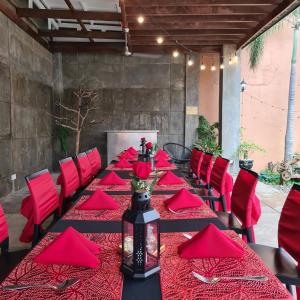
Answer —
98 25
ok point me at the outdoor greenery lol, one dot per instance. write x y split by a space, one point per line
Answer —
247 147
270 177
62 134
208 137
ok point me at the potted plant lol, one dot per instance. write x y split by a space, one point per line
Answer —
247 148
208 137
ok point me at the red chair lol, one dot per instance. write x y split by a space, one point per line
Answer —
278 259
195 163
216 185
69 180
8 260
84 169
43 198
245 206
205 170
95 160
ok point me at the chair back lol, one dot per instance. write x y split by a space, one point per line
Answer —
94 159
84 169
196 161
69 177
177 152
289 224
3 226
44 195
243 198
206 167
218 174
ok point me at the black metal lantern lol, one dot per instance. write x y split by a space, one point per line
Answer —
140 238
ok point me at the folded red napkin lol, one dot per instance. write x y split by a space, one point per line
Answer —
169 178
99 200
142 170
123 163
126 155
132 151
183 199
162 163
161 154
70 248
210 242
112 178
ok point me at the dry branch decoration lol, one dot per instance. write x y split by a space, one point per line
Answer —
74 118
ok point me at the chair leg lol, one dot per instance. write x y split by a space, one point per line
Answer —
212 205
36 234
249 235
4 246
223 202
289 288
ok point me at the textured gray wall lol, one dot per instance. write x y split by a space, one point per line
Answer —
25 97
134 93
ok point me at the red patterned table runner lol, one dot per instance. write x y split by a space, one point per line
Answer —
104 283
177 281
112 167
157 202
98 215
127 187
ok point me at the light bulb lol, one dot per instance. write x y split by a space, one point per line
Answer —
213 68
222 66
175 53
160 40
190 62
230 61
235 58
202 67
141 19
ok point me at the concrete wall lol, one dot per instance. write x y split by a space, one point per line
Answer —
145 92
25 97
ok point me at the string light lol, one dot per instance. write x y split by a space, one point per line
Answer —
190 62
160 40
213 68
222 66
230 61
236 58
141 19
175 53
202 66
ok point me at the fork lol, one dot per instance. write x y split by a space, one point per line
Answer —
58 287
213 280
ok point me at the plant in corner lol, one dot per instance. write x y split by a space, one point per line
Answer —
247 148
208 137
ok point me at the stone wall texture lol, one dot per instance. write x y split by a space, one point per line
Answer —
138 92
25 99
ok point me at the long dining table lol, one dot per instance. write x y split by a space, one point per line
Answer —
173 282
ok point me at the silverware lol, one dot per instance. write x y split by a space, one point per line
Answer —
184 212
188 236
100 213
213 280
58 287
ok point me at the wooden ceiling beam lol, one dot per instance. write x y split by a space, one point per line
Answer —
67 14
188 38
169 49
153 3
10 11
198 10
191 18
286 6
82 34
192 25
186 43
188 32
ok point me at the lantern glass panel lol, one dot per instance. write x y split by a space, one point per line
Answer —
128 244
152 244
